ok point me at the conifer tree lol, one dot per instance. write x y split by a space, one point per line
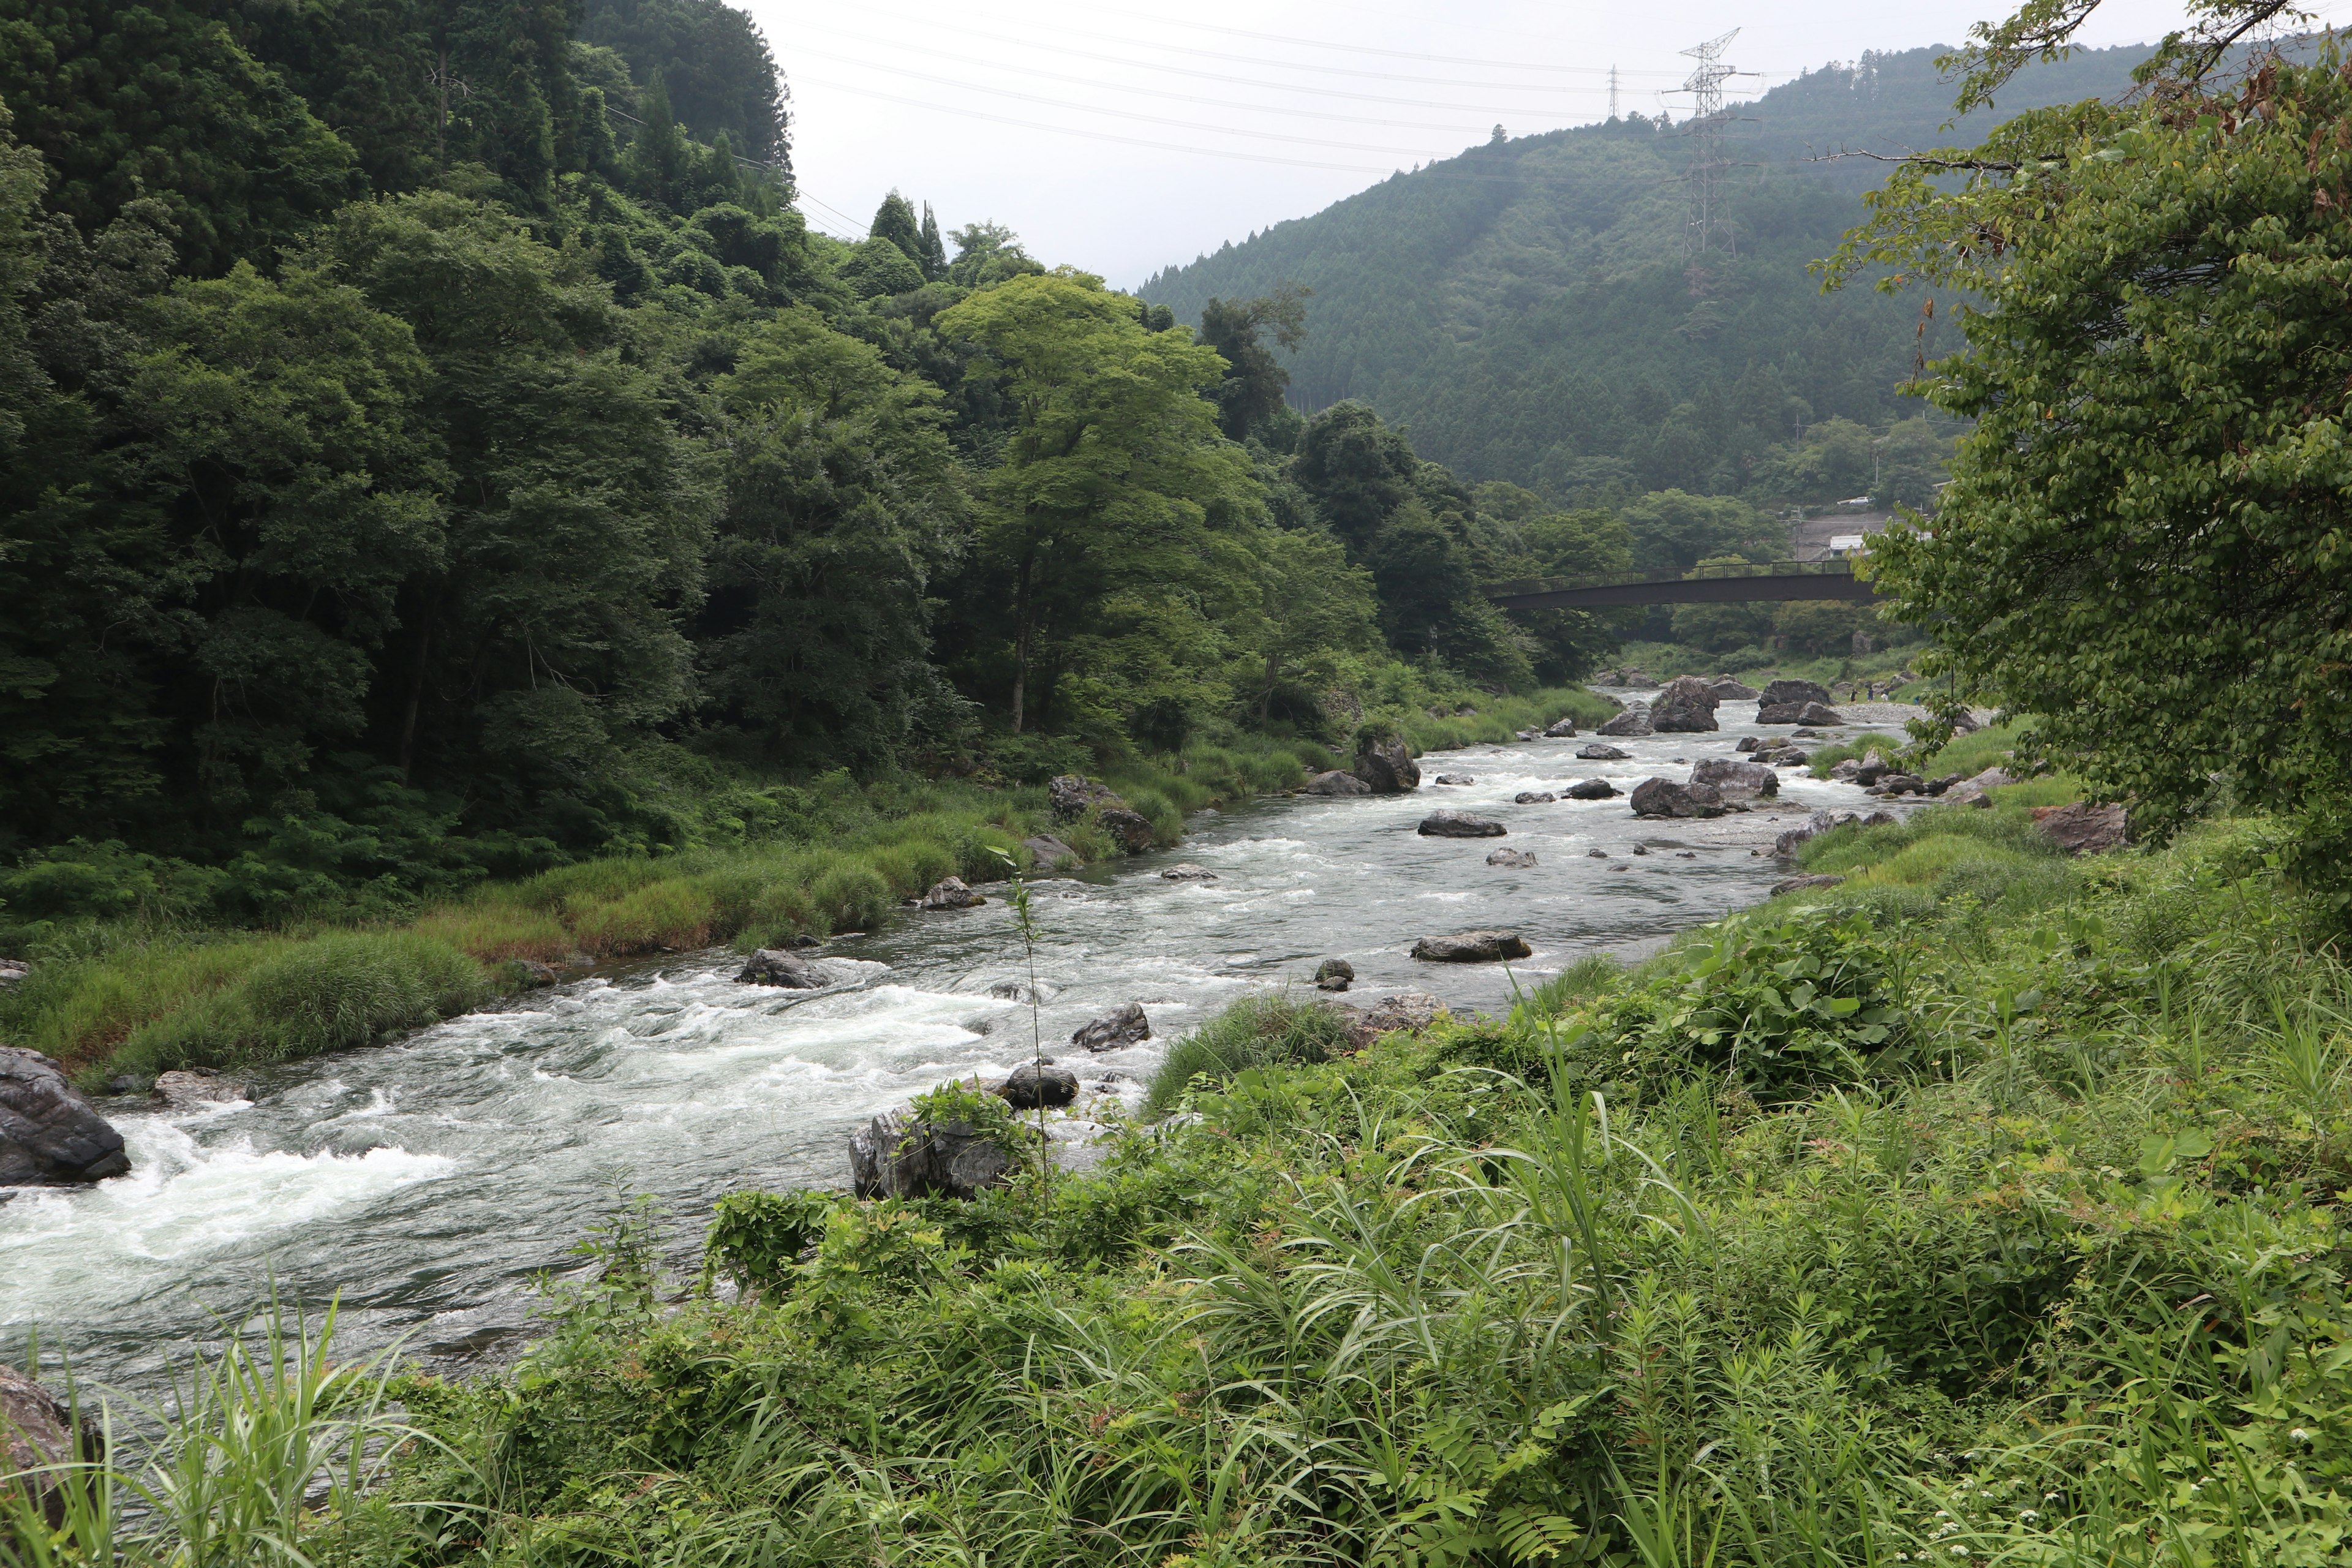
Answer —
934 257
894 220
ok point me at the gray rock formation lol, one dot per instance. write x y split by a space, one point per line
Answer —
1735 780
1471 947
1726 689
1071 795
1119 1027
1797 692
1459 824
2082 828
1188 873
1514 859
1592 789
186 1090
1633 722
1563 730
951 894
36 1432
1453 779
1130 829
1336 782
896 1156
1533 797
1050 853
1033 1084
1685 707
1664 797
1798 713
1598 751
1387 767
48 1133
1334 975
774 966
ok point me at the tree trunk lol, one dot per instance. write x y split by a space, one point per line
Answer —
1021 637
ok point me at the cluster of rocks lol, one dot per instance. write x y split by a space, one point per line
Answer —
1795 702
1407 1011
1074 795
50 1135
1716 786
1629 675
1821 822
1382 767
1773 754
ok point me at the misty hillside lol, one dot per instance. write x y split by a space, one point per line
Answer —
1532 308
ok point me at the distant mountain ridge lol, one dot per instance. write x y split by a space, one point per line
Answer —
1531 309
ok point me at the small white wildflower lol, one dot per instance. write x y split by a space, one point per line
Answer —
1943 1513
2049 1496
2300 1434
1959 1551
2028 1515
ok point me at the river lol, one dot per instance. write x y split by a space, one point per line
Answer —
428 1182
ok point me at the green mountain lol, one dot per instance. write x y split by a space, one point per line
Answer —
1535 311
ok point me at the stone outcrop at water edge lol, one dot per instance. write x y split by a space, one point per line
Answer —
1685 707
1387 767
1034 1083
1633 723
1514 860
1334 975
1798 713
49 1134
774 966
1565 729
36 1432
1119 1027
1471 947
1048 853
1796 691
950 893
1336 782
898 1156
2082 828
1188 872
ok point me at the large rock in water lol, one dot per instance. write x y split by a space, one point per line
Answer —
1633 722
1732 778
1601 752
896 1156
950 893
1048 853
1387 768
1561 730
2082 828
1132 829
1726 689
1797 692
1798 713
1685 707
1336 782
1471 947
1119 1027
48 1133
1592 789
1664 797
774 966
1459 824
1033 1084
36 1431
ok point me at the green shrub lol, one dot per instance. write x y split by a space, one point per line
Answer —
1274 1029
756 1238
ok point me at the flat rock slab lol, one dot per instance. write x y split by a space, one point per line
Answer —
1533 797
774 966
2082 828
1050 853
49 1133
1601 752
1459 824
1471 947
1336 782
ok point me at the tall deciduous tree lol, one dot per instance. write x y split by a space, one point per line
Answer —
1117 519
1255 380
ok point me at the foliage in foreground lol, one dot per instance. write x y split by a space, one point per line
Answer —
2031 1254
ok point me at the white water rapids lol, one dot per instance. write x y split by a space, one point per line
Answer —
427 1182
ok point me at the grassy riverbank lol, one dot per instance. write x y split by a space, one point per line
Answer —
136 996
1996 1222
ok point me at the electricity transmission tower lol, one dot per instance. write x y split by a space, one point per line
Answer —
1612 93
1704 127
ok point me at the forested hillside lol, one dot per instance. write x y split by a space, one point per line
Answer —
1532 312
433 448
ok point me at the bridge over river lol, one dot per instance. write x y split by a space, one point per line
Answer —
1777 580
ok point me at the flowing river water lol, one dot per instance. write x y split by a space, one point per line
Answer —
427 1183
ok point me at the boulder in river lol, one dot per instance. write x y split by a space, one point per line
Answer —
1685 707
1336 782
1387 766
1747 743
1821 822
36 1434
1533 797
1130 829
1334 975
1734 779
2082 828
1797 692
1459 824
1804 884
1071 795
1119 1027
1453 779
1633 722
1471 947
1600 751
897 1155
1188 873
1664 797
774 966
1798 713
1726 689
1902 784
185 1091
950 893
1513 859
1048 853
1033 1084
49 1133
1564 730
1592 789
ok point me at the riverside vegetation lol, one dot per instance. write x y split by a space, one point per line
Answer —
1981 1209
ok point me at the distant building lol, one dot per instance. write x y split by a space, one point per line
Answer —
1834 534
1846 543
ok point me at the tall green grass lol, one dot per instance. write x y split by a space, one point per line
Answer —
1277 1030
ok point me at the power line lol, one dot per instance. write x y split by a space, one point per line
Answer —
1129 113
1365 48
1163 92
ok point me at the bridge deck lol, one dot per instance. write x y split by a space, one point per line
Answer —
1779 581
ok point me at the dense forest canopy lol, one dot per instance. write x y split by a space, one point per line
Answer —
432 444
1532 310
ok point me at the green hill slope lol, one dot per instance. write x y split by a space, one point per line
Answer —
1533 310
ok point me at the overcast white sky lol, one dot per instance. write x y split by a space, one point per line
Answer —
1126 135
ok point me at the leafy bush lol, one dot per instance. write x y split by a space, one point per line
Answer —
1275 1029
757 1238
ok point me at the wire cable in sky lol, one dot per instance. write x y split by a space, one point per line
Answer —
1481 110
1134 114
1367 50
